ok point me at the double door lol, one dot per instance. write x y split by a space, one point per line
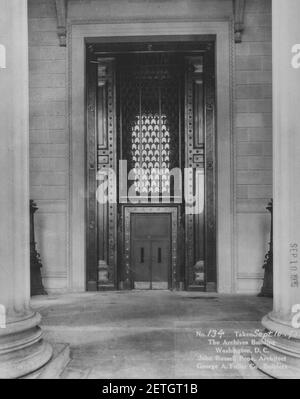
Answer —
150 251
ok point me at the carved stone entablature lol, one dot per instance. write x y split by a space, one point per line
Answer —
239 11
61 15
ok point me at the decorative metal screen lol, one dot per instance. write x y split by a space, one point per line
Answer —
153 106
150 121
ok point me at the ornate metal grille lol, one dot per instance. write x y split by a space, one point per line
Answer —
151 154
150 87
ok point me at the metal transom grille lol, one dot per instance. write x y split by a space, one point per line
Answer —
150 120
151 154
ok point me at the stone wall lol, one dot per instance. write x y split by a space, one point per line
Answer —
49 141
253 141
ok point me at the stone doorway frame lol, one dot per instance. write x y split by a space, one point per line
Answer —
78 34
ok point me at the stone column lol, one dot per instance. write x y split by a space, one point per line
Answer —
283 323
22 349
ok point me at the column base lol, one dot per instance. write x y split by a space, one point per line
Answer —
280 356
22 348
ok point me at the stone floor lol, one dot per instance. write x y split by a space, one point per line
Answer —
153 334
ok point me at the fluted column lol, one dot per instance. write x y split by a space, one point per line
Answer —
22 349
283 322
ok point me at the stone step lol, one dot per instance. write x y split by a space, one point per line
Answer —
56 366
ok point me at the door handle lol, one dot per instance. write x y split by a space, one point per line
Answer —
142 255
159 255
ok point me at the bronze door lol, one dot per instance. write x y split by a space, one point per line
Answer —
150 249
155 111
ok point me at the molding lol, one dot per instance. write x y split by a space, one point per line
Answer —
142 20
239 12
55 273
233 159
61 15
251 276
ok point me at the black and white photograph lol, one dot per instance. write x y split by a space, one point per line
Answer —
149 193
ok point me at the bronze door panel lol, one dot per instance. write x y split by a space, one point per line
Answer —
141 262
160 253
151 256
149 225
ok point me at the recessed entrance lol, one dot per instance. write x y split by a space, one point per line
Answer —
151 156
